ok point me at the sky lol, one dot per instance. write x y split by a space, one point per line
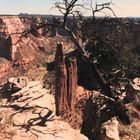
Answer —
123 8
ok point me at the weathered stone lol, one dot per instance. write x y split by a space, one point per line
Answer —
17 83
136 84
34 117
109 130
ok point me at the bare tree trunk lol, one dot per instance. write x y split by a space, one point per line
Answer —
66 82
61 82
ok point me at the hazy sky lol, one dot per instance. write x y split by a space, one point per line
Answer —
124 7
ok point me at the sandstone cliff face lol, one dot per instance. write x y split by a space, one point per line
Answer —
31 22
23 50
26 51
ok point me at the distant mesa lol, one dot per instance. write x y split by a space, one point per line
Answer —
24 14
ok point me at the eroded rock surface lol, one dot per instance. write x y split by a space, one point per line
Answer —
23 49
17 83
109 130
31 116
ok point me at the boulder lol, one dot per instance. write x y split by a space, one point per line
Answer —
136 84
15 84
109 130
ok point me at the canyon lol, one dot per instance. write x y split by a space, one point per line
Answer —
20 51
65 97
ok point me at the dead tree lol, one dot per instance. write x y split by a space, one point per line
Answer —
67 7
65 83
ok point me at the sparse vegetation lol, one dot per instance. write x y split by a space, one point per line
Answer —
90 80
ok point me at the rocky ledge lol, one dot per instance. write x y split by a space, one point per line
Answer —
30 114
